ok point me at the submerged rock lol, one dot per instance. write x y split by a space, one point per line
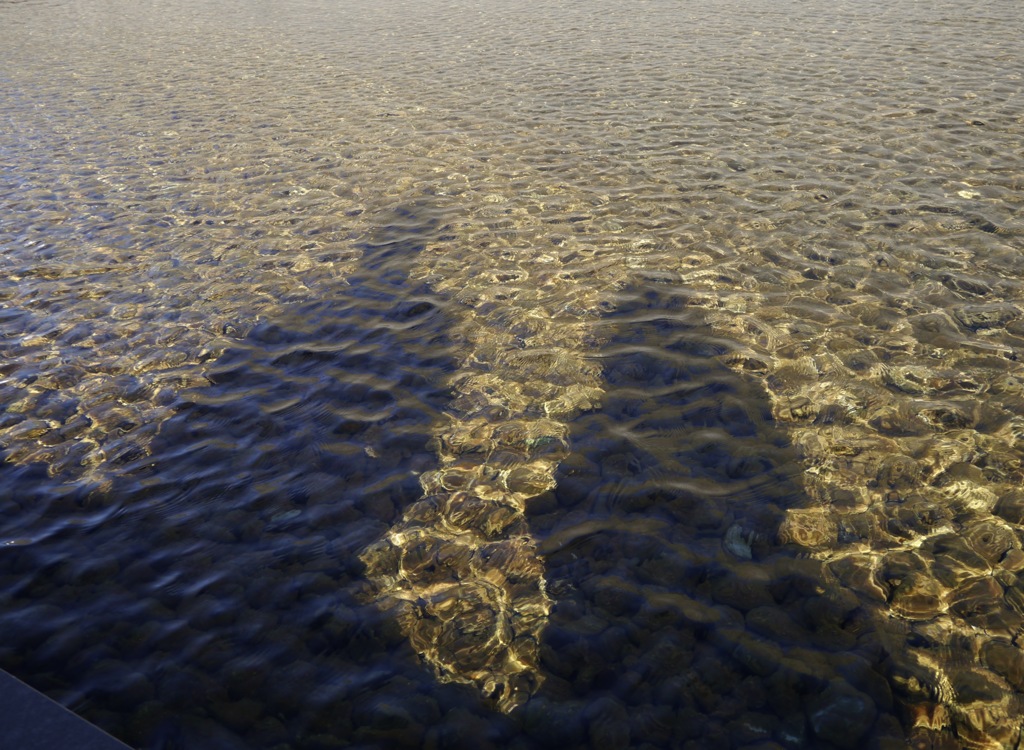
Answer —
841 715
809 527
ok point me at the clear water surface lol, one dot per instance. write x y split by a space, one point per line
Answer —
472 374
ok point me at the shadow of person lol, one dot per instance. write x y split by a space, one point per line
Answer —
670 576
680 619
219 600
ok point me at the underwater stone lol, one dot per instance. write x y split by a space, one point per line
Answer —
239 715
774 623
841 715
860 574
980 603
1010 506
608 724
985 706
918 597
553 725
807 527
1005 659
898 472
759 656
991 315
990 540
734 590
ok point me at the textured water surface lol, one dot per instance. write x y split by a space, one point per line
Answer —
482 375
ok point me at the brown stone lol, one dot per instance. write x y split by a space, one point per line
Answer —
978 601
808 527
917 596
1010 506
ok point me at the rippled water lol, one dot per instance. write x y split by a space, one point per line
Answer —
550 375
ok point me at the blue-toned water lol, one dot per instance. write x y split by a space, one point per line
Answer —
474 375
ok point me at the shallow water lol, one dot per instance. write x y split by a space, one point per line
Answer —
718 303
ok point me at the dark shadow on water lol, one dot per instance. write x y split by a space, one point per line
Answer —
210 596
222 604
679 619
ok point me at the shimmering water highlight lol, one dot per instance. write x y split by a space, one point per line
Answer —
706 317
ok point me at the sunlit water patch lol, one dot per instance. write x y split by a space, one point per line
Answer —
404 375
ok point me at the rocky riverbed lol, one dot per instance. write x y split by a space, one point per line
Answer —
554 377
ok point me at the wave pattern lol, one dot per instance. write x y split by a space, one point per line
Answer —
462 561
836 191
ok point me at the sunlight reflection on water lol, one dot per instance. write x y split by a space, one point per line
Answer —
263 267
